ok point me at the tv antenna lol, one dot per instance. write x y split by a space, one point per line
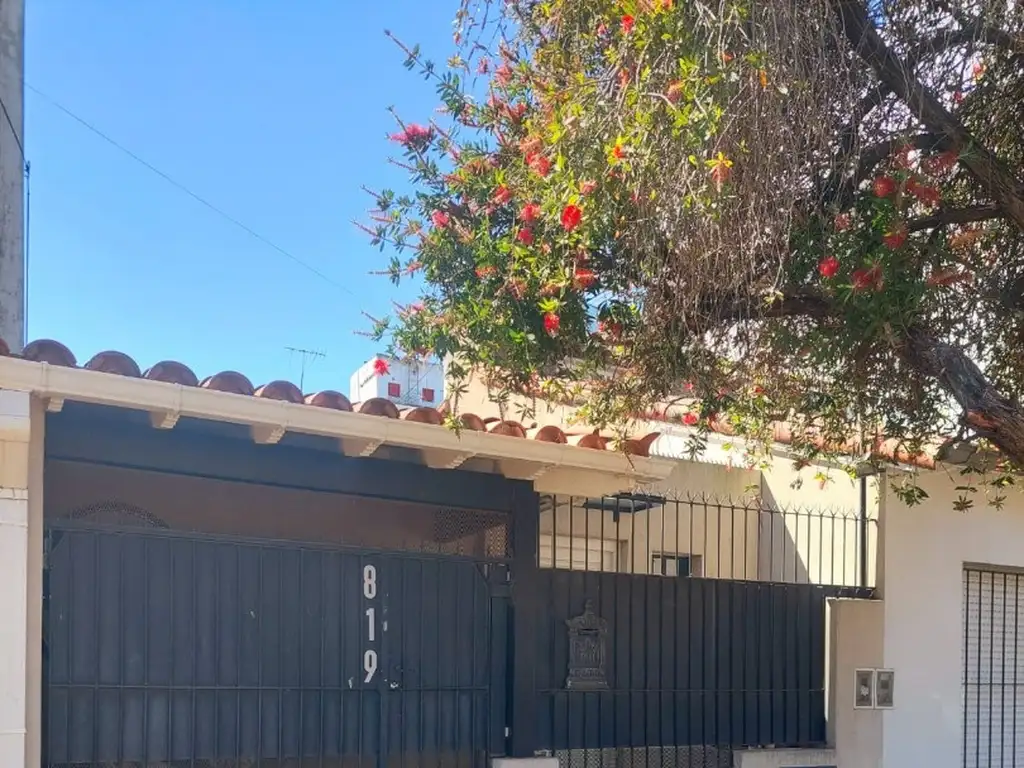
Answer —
308 356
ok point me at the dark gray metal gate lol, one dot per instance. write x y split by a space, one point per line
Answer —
192 650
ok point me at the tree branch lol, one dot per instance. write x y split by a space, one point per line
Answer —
988 170
949 216
986 410
877 153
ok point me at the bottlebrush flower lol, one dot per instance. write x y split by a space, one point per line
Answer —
884 186
531 145
502 195
552 323
690 419
583 278
414 135
828 267
440 219
571 217
627 24
936 165
587 186
381 367
503 74
539 164
525 236
484 272
868 278
530 213
675 91
842 222
895 237
926 194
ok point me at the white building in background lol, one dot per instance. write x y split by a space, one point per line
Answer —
404 382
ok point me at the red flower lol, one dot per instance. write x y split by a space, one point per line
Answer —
627 24
503 74
842 222
414 135
571 217
978 70
939 164
525 237
539 164
583 278
381 367
675 91
531 145
884 186
484 66
828 267
551 323
624 77
690 419
618 152
530 213
502 195
869 278
484 272
440 219
903 156
587 186
958 97
601 30
895 237
610 327
927 194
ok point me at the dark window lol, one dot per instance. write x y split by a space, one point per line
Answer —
394 389
675 565
428 395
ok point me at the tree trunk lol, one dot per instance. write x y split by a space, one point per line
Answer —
989 413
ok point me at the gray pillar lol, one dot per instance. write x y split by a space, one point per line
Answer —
12 173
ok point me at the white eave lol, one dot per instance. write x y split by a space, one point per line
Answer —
552 467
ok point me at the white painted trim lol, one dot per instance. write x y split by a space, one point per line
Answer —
53 382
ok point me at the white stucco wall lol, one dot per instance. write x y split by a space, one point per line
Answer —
924 550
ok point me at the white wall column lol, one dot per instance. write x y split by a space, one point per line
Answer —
15 432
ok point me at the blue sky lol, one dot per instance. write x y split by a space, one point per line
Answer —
274 112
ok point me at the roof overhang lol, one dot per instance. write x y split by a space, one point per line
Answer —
552 467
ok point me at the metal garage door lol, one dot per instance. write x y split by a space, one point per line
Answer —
993 669
166 648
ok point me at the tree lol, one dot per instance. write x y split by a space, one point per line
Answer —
747 212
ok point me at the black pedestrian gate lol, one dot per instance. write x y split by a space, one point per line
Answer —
168 648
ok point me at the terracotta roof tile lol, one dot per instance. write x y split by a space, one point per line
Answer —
116 363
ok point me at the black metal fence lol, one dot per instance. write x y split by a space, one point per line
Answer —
672 631
171 648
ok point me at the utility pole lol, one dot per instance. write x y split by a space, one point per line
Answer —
12 173
308 355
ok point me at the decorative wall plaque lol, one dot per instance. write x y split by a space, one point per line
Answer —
587 651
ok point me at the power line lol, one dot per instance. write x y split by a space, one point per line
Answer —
198 198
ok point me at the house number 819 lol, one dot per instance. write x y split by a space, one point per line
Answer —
370 593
